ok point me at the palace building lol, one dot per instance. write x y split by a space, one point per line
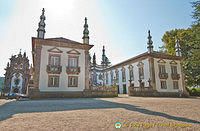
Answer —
64 68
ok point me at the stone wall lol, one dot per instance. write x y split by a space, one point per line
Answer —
154 93
36 94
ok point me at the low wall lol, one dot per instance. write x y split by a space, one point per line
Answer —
36 94
154 93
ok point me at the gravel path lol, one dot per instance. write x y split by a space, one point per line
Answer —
85 114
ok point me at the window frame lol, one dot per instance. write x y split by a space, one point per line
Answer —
49 80
77 61
54 55
174 84
140 72
76 84
161 84
172 69
161 69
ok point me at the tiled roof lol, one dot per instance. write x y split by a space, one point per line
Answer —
61 39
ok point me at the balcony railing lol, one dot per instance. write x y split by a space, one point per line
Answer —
175 76
163 75
72 70
54 69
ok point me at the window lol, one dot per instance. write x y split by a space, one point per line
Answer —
106 78
131 74
174 69
53 81
100 76
73 61
73 81
123 76
175 84
117 77
141 73
142 84
163 85
54 59
111 75
162 69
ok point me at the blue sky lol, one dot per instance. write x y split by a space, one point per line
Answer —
120 25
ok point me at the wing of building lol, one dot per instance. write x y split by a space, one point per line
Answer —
148 74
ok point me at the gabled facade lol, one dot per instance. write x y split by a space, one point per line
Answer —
61 66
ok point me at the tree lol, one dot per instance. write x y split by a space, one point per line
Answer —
189 40
196 12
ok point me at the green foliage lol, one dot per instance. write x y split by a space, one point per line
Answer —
189 40
196 12
194 91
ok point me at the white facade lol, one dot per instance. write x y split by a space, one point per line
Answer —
63 76
169 80
136 62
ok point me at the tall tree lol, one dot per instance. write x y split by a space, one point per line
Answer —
189 40
196 12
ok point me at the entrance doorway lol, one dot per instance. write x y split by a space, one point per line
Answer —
124 89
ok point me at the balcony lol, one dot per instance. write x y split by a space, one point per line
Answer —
54 69
72 70
175 76
163 75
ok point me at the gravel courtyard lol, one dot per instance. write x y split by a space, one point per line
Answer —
84 114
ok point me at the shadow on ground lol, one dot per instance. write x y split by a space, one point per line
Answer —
32 106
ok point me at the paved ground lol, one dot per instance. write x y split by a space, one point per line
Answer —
134 113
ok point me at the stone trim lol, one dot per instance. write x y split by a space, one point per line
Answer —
144 56
74 52
87 87
161 61
36 94
51 42
58 50
173 62
152 73
37 57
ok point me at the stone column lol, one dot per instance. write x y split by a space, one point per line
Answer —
37 56
152 73
140 86
87 87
